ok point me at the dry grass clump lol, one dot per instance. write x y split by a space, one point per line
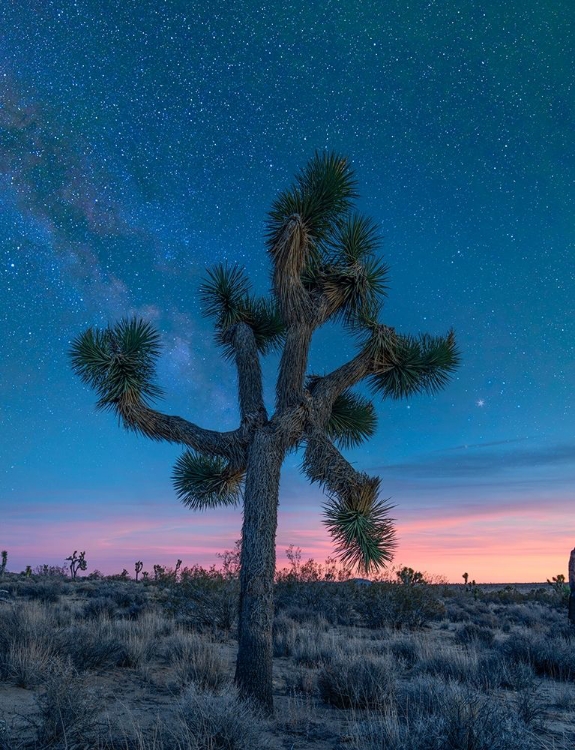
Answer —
389 605
406 650
551 654
285 633
470 633
313 649
68 711
348 682
198 722
431 714
195 661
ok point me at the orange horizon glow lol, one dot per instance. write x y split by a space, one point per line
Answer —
523 545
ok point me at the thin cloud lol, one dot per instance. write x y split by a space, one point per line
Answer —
481 464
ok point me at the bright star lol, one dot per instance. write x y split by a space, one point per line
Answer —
480 402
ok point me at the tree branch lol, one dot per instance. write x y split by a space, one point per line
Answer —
327 389
357 520
139 418
289 254
323 463
243 341
293 366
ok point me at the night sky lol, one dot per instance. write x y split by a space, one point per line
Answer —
141 141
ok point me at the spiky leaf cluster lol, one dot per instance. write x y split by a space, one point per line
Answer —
226 297
408 365
353 279
361 528
119 361
206 481
314 237
322 192
352 421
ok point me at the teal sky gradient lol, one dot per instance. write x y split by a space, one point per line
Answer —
141 142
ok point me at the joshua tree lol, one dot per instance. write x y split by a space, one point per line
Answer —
410 577
77 562
324 268
4 562
465 576
138 568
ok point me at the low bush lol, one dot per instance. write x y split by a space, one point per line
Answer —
550 655
207 722
312 649
101 606
357 683
92 647
285 632
450 663
195 661
433 715
471 633
399 606
67 711
203 602
406 650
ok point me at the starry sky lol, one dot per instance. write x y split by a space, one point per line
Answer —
141 141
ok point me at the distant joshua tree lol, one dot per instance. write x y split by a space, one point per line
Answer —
138 567
465 577
410 577
4 562
77 562
325 268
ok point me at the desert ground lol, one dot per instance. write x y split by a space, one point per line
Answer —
114 664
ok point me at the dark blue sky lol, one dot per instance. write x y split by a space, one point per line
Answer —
140 142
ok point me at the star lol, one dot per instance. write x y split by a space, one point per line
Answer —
480 402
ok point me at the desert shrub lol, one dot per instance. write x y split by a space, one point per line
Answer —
129 594
333 602
397 606
565 697
456 612
357 683
448 664
195 661
153 625
98 607
92 647
207 722
471 633
431 714
529 706
312 649
301 680
285 632
67 711
203 601
552 656
406 650
27 663
24 627
43 591
490 671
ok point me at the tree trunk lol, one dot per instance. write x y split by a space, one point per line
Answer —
258 558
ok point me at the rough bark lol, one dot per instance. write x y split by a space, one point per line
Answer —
252 409
329 387
323 463
140 418
255 653
293 366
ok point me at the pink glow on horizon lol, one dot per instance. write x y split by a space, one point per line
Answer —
510 543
